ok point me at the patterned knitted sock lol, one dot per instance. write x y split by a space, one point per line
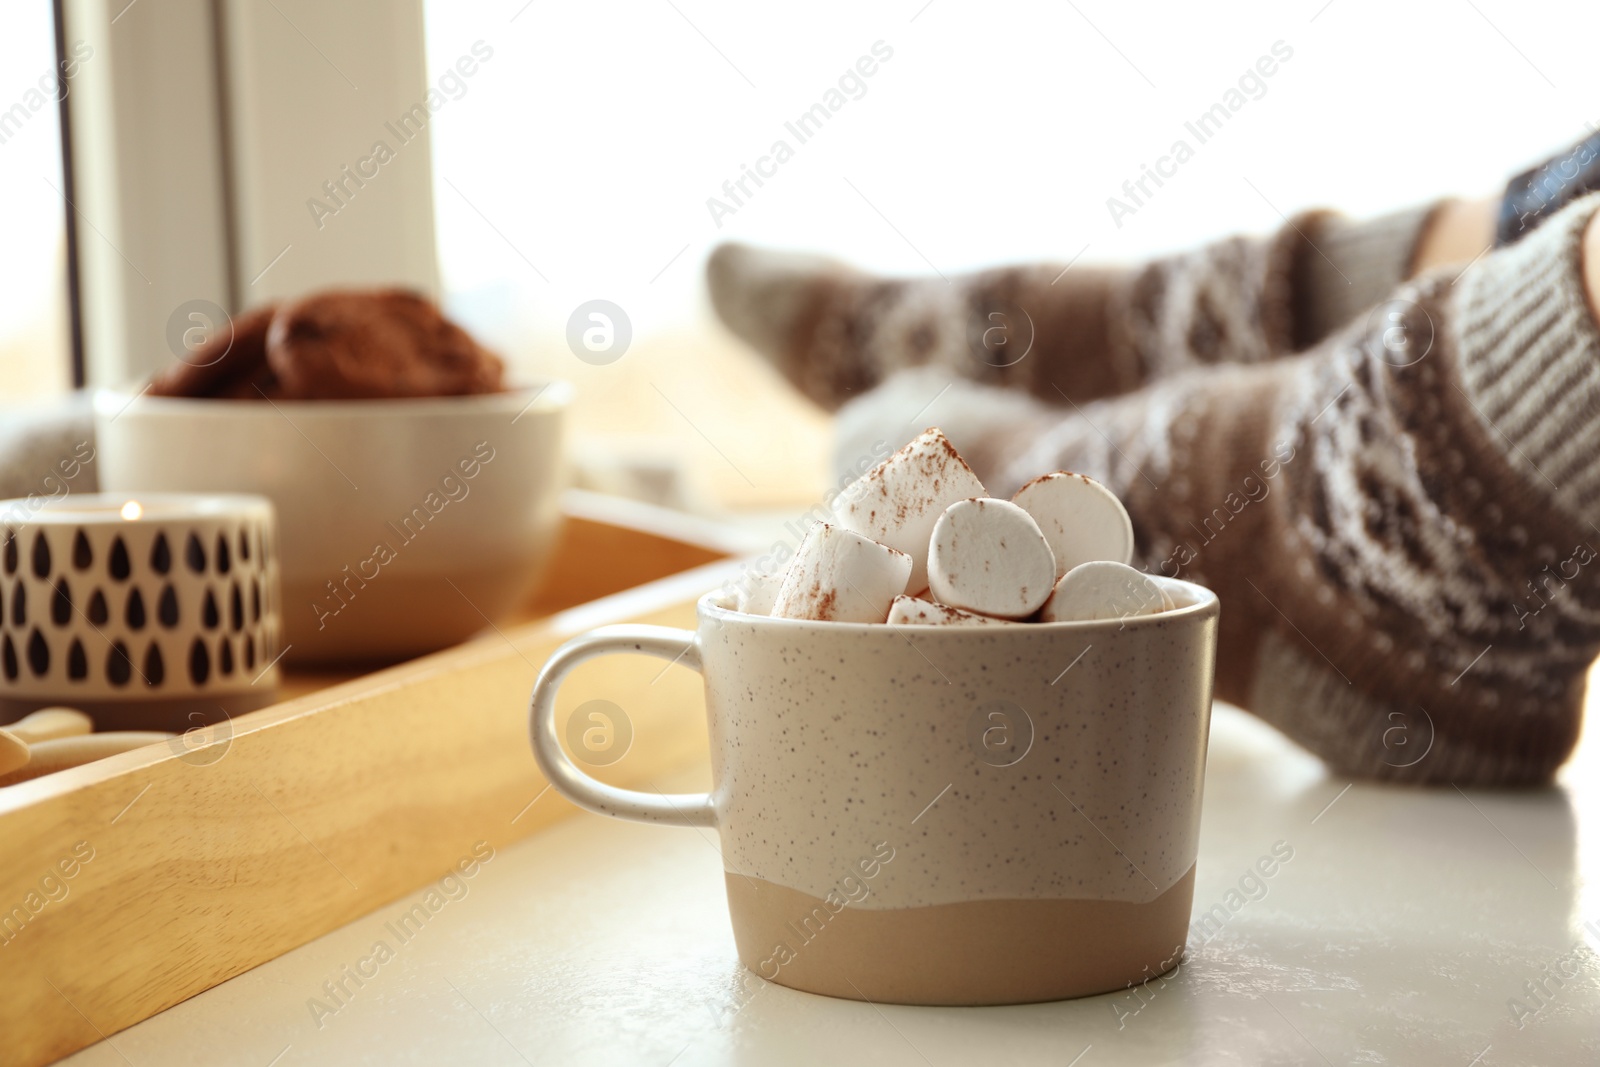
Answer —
836 333
1402 523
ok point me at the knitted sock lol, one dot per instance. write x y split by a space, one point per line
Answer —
1402 523
1081 332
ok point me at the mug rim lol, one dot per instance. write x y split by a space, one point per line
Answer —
1204 604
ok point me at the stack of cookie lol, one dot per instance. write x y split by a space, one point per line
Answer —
337 345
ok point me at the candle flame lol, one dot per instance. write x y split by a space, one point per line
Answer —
132 510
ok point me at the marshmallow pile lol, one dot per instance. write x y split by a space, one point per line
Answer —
921 523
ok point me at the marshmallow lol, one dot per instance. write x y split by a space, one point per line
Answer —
898 502
756 593
1082 519
1101 589
990 557
839 576
910 611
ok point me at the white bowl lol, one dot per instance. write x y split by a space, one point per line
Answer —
405 526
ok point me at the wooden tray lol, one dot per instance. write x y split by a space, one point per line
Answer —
133 883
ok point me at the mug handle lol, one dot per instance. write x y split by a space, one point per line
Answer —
678 809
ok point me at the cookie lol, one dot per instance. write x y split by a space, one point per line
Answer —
229 361
380 343
262 385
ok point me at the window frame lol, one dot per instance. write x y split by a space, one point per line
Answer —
186 179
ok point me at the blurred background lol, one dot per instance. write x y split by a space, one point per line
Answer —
575 162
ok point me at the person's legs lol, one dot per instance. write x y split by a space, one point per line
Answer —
990 420
1458 232
1403 524
1077 333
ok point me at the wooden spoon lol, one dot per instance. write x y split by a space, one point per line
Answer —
13 752
46 724
47 757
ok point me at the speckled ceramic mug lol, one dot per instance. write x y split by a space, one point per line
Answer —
938 815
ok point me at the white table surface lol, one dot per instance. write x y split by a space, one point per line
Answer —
1399 933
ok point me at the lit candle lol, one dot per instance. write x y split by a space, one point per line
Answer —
160 612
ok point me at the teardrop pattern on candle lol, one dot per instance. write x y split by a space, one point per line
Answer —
41 556
134 613
155 668
61 603
161 555
119 565
199 661
194 554
118 610
98 612
167 608
38 654
119 667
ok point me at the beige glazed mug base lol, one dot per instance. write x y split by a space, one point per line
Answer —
971 953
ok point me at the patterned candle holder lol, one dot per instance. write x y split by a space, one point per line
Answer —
152 611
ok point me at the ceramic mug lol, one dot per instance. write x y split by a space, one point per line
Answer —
938 815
